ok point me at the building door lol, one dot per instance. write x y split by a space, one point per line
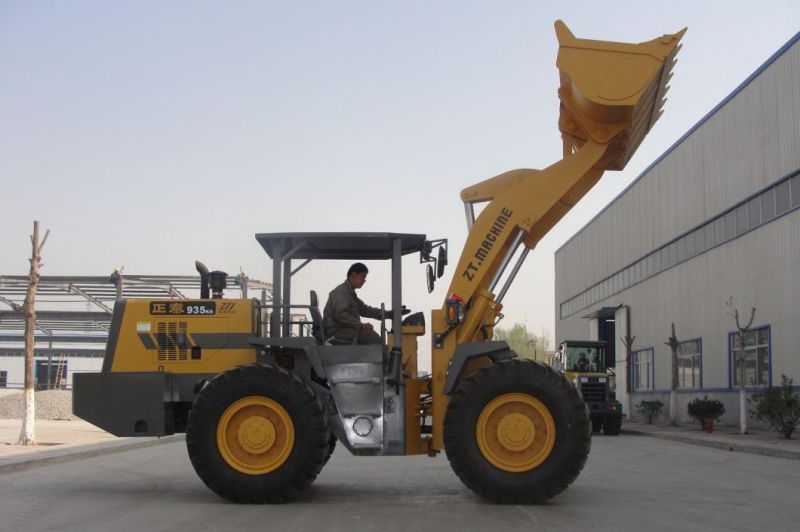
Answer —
50 374
606 332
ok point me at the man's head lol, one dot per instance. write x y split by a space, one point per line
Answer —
357 275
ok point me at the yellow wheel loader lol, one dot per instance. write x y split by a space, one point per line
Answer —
585 364
263 397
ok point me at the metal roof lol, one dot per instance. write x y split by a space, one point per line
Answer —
66 324
17 337
52 321
352 246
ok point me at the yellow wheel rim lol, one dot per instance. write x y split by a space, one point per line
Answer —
515 432
255 435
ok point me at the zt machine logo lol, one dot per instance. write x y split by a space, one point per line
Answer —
183 308
487 244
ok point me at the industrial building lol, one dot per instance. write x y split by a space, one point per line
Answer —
715 217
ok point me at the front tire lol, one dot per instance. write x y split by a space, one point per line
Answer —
517 432
330 449
257 434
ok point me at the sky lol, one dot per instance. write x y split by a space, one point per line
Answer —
146 135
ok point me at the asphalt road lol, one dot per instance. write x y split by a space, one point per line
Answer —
630 483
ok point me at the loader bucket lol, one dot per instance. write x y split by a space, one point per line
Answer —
611 93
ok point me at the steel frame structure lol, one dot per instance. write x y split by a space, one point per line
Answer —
100 293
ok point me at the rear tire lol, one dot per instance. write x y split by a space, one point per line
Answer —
612 426
257 434
596 426
517 432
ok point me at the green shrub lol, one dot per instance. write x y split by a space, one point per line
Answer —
779 406
705 409
650 409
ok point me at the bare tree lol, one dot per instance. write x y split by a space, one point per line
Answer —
740 360
27 435
672 342
627 341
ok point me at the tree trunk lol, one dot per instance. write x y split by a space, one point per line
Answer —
742 411
742 394
627 341
673 407
27 435
673 386
740 352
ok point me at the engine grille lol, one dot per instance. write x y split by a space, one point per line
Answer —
594 390
171 341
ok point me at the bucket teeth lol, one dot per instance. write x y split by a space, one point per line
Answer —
613 92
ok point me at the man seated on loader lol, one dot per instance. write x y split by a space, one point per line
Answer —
341 317
583 363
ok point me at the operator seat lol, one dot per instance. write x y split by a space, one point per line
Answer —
318 331
316 318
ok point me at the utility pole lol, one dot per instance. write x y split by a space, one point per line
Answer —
673 394
27 435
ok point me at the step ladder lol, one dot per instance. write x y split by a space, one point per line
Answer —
60 381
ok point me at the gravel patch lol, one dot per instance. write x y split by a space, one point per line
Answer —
49 404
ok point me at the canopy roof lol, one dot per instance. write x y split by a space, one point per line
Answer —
351 246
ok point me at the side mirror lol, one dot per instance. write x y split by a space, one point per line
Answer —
426 251
441 262
431 278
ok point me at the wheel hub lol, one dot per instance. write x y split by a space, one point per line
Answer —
515 432
255 435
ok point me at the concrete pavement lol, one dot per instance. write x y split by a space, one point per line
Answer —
629 483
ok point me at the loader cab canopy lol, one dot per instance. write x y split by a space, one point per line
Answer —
345 246
283 248
583 356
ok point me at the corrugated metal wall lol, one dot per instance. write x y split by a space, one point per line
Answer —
750 142
760 269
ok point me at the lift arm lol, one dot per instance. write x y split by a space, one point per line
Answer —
610 96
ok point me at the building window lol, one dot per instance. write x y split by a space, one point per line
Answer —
768 204
756 357
672 258
643 370
782 201
689 364
3 379
741 219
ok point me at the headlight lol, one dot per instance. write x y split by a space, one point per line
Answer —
362 426
584 379
602 379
